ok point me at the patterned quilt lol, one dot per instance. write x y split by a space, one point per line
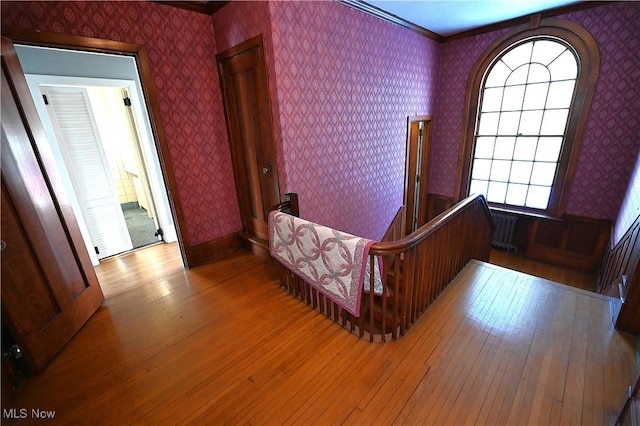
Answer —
333 262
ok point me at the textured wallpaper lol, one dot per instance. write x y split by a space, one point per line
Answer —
612 136
181 47
342 85
239 21
346 84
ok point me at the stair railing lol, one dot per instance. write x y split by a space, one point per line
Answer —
417 268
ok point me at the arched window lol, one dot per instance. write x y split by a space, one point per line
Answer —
527 106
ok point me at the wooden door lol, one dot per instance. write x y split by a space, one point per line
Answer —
417 171
49 288
245 91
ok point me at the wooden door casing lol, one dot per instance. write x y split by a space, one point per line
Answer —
49 287
417 171
245 92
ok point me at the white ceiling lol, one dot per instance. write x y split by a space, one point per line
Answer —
447 17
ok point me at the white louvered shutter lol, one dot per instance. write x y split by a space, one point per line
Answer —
77 134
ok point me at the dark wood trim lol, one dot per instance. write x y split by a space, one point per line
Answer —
589 57
437 203
576 242
88 44
413 169
389 17
214 249
205 7
526 19
622 261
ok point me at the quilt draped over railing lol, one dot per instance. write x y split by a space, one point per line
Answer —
333 262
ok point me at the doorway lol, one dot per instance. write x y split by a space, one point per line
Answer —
105 76
417 171
98 139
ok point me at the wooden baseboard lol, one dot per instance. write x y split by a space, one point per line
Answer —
212 250
574 241
256 245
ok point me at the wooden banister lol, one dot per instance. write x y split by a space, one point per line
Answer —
403 244
417 268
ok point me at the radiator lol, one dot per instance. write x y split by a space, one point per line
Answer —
503 234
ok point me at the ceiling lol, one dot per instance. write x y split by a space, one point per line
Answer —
448 17
433 18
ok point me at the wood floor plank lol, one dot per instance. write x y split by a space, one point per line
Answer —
223 343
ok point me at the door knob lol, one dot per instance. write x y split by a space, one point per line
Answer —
3 245
266 170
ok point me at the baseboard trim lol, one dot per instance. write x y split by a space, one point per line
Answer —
212 250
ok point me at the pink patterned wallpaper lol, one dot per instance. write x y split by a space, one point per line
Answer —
611 140
181 47
346 84
239 21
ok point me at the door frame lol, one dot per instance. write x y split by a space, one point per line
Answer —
417 152
164 216
139 53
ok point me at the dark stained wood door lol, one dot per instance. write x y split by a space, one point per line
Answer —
245 91
49 288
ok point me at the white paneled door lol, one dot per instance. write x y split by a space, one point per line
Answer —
73 122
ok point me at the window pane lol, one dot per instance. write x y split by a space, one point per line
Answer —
497 192
545 51
535 96
549 149
519 76
525 149
508 123
488 123
530 123
478 187
565 67
521 171
538 197
513 97
504 148
518 56
538 74
492 99
500 170
516 194
498 75
543 173
484 147
554 122
481 169
560 94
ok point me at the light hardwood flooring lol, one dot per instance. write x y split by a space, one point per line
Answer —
223 344
563 275
125 272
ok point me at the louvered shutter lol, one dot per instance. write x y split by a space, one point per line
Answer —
72 119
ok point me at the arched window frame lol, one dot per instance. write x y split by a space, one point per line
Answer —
586 49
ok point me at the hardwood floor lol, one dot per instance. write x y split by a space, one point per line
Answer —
222 343
122 273
559 274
